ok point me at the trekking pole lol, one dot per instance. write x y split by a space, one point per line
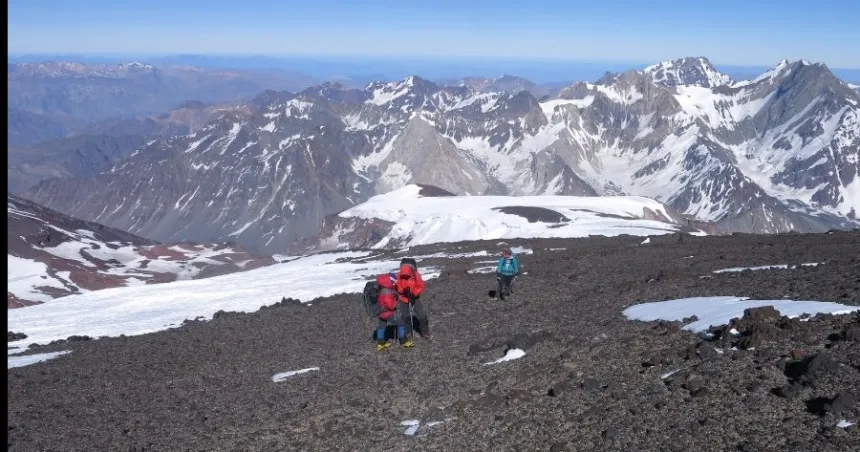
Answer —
411 316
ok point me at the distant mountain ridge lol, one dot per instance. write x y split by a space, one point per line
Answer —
67 92
774 153
99 145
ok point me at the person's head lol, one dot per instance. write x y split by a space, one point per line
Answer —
406 271
506 253
385 281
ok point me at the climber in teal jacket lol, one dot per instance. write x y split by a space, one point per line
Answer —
507 269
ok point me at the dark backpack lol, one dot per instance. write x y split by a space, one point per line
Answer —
369 298
410 262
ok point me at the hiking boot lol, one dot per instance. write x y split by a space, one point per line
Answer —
407 344
382 345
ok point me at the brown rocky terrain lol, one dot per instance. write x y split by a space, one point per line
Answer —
590 380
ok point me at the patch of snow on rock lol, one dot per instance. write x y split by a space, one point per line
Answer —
284 375
26 360
411 426
764 267
511 355
844 424
712 311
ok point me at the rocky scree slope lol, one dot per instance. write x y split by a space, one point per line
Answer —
52 255
590 379
776 153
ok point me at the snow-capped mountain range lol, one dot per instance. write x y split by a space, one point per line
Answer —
55 69
776 153
51 255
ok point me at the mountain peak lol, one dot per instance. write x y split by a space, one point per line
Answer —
785 67
508 78
785 62
696 71
271 97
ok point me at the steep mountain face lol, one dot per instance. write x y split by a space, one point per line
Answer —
188 117
52 255
62 92
27 127
105 143
262 180
775 153
79 156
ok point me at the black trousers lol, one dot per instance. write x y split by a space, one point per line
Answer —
420 314
505 285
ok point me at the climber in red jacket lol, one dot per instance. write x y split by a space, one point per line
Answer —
410 287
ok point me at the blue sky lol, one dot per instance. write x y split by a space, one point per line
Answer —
749 32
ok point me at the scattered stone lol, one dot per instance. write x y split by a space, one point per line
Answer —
652 360
590 384
706 350
517 395
759 334
525 342
694 383
222 314
558 389
809 369
560 446
12 337
761 314
788 391
285 302
610 433
842 403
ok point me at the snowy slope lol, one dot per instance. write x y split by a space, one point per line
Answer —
144 309
51 255
411 219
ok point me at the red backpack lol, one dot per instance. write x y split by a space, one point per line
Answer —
387 297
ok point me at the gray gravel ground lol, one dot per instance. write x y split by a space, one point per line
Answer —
590 380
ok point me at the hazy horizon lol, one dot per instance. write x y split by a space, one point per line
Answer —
392 67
